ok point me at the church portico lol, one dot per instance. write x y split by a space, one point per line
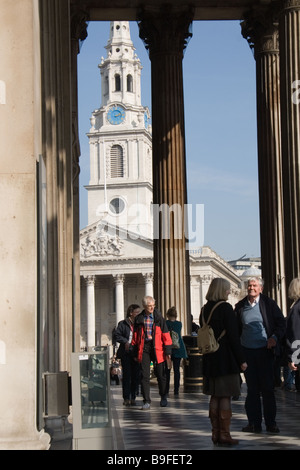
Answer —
106 305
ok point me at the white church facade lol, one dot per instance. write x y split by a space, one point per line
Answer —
116 248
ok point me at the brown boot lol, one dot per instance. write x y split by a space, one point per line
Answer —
224 420
214 419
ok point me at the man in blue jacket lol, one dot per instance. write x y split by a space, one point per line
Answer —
262 327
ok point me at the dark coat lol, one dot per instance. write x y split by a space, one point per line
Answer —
229 357
162 342
122 334
177 326
293 332
273 319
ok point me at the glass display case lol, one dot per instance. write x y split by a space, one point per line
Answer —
92 428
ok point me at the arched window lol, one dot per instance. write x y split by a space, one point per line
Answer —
106 86
117 82
116 162
129 83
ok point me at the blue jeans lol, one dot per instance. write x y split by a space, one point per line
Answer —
176 368
289 378
259 377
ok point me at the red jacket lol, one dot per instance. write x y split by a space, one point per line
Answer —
161 337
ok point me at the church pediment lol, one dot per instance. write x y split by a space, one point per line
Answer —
102 241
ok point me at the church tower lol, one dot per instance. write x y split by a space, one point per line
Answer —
120 186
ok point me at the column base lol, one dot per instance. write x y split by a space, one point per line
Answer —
41 442
59 428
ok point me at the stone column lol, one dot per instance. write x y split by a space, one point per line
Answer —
165 33
119 285
20 313
289 27
91 312
148 284
205 281
78 33
261 31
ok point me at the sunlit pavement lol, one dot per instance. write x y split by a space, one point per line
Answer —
184 424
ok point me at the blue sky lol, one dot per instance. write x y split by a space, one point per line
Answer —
220 126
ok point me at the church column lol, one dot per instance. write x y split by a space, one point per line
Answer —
261 31
165 33
94 162
289 29
205 281
148 284
91 312
119 297
124 81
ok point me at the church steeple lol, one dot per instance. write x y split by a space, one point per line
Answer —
121 70
120 187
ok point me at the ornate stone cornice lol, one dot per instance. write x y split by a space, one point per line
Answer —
260 29
119 279
149 277
79 24
291 4
166 30
103 244
90 280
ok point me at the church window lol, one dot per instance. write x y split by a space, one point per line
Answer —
129 83
116 162
117 82
117 205
106 86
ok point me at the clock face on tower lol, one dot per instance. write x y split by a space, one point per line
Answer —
116 115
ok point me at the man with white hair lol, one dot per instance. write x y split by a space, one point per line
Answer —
262 327
152 342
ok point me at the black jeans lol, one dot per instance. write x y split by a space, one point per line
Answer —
160 371
130 376
260 383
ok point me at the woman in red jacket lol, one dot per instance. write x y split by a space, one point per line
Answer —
152 342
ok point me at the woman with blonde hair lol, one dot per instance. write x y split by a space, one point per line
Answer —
293 327
221 369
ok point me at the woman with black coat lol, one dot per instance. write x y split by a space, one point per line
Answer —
293 330
130 367
221 369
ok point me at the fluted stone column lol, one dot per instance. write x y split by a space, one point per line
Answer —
289 28
91 312
165 33
78 31
119 285
22 323
148 284
262 34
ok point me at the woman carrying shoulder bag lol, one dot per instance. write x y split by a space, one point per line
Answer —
221 369
177 353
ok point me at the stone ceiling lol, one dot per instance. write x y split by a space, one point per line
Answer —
108 10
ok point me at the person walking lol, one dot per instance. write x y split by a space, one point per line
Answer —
221 369
152 342
293 330
262 328
130 367
177 353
